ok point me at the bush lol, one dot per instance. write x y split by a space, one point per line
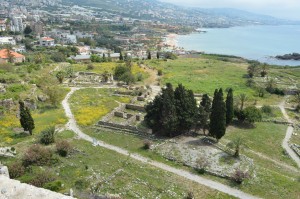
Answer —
239 176
37 155
42 178
63 148
159 72
267 109
139 77
53 186
47 136
252 114
90 67
190 195
81 184
16 170
147 144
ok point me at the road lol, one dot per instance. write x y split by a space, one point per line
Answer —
72 125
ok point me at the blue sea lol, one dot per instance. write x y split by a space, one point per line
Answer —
260 43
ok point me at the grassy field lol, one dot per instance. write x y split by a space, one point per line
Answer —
265 138
206 73
89 105
116 174
107 67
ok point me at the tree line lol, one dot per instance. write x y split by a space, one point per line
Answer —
175 112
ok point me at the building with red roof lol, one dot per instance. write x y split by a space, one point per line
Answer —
47 41
7 55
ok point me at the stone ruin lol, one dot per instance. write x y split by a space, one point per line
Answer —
92 79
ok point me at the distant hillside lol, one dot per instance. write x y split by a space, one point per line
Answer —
156 10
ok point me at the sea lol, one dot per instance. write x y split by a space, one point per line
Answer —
260 42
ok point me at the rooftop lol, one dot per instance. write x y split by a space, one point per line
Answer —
4 54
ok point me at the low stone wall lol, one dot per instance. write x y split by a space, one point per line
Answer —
119 114
121 127
135 107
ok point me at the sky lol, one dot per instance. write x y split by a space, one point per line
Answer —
286 9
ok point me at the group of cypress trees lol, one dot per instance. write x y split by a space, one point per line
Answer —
174 112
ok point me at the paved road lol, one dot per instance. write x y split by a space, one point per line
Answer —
288 135
72 125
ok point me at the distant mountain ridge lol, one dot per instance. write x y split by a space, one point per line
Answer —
173 14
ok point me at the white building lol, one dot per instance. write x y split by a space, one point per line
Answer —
2 25
46 41
16 24
7 41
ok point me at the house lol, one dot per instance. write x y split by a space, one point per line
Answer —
81 58
10 56
46 41
7 41
114 56
84 50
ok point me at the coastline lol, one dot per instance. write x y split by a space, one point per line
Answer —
171 40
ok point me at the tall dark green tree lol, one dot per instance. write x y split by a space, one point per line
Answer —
217 127
157 55
206 103
27 30
202 119
26 119
121 56
149 55
169 118
186 108
229 107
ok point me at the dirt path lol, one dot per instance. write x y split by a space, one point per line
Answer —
72 125
289 132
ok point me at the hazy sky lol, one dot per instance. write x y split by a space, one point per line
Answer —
289 9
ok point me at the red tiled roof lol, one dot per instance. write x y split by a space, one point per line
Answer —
4 54
47 38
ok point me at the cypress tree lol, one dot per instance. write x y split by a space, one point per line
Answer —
153 116
26 119
206 103
169 119
121 56
229 107
157 55
218 116
186 108
149 55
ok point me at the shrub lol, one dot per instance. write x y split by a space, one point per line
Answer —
159 72
139 77
190 195
147 144
252 114
90 67
53 186
37 155
81 184
47 136
239 176
266 109
42 178
16 170
63 148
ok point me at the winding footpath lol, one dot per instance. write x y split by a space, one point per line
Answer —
72 125
288 135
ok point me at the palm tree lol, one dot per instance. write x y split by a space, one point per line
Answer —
237 144
243 98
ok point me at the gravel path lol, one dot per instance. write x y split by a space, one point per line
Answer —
72 125
289 132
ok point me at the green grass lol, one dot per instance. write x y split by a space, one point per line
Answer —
266 138
89 105
116 173
209 72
